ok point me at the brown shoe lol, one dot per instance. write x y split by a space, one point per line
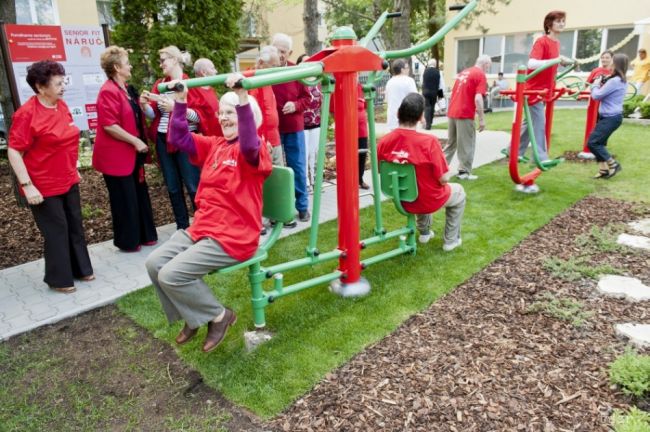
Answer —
217 330
186 334
64 290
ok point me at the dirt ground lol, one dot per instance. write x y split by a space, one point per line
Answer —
484 358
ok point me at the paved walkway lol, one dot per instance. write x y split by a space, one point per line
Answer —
26 303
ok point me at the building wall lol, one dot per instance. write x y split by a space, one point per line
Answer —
78 12
528 15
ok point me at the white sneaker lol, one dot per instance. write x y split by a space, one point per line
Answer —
447 247
531 189
467 176
424 238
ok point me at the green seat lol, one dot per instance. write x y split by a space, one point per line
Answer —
279 200
398 182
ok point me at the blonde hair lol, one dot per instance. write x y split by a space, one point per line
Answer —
112 57
182 57
232 99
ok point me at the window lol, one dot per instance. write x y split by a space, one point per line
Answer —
614 36
517 50
43 12
492 47
467 53
105 13
589 43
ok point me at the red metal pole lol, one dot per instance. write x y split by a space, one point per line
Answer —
550 105
592 117
515 138
347 172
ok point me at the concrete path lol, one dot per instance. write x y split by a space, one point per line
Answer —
27 303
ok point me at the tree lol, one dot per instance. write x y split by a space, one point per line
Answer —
209 28
311 17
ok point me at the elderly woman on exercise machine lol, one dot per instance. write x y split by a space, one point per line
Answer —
227 221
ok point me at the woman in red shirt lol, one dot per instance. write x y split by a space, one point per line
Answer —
605 69
119 154
43 152
227 221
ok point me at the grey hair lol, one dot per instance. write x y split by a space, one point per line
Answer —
483 59
231 98
283 38
432 62
202 64
267 52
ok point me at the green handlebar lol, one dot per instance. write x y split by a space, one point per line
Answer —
309 70
427 44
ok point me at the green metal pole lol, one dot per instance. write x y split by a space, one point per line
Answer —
301 262
327 88
272 295
369 93
279 77
256 277
440 34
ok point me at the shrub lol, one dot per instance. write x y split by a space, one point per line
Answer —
634 421
645 110
631 371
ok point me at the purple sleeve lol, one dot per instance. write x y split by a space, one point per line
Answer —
249 142
179 133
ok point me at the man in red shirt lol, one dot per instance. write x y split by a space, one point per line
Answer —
545 48
292 98
466 101
406 145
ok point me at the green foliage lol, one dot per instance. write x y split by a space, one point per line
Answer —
601 239
577 267
205 29
645 110
89 212
631 371
634 421
565 309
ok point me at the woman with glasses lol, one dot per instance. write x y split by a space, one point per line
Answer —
175 166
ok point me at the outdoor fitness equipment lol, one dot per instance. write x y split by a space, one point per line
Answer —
335 68
522 99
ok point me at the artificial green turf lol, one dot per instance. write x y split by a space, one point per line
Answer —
316 331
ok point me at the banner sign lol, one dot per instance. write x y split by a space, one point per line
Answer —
76 48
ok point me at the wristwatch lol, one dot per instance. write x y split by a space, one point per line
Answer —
27 183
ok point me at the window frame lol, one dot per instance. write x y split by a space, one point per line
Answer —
34 14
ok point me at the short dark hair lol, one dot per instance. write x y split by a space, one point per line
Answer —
550 17
40 73
411 109
500 73
397 66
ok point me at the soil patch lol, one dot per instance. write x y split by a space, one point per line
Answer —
20 239
482 358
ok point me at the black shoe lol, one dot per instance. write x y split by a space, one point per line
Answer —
263 232
291 224
488 110
303 216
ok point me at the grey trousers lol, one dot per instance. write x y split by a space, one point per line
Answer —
538 117
454 209
462 137
277 157
176 269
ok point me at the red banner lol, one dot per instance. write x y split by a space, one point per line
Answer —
29 43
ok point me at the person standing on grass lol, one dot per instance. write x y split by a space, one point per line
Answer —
545 48
312 127
466 103
292 98
227 222
43 152
406 145
610 92
397 87
430 89
641 73
120 152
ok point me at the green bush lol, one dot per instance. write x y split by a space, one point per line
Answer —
629 107
634 421
631 372
645 110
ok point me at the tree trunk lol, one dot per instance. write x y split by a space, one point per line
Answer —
433 26
7 15
401 28
311 18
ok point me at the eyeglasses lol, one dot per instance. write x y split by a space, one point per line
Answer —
162 60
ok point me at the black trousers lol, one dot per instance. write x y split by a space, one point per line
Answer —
363 155
66 256
131 210
429 109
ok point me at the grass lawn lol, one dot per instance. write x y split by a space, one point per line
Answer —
316 331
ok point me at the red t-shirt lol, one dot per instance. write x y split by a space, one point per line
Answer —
268 130
598 72
206 105
49 141
469 83
229 197
544 48
423 151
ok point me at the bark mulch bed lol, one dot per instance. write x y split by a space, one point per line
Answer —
20 239
481 360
